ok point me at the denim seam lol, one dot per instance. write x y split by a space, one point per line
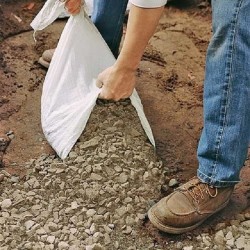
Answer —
223 112
116 37
217 181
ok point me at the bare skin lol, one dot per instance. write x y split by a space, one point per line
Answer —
118 81
73 6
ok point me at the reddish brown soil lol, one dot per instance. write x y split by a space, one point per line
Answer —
170 84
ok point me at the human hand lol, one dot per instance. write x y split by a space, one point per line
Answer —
116 83
73 6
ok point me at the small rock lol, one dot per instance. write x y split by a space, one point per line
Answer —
247 216
10 132
128 230
28 224
14 179
179 245
28 245
112 226
2 177
229 235
1 238
128 200
6 203
246 224
151 203
123 178
188 248
73 230
62 245
107 229
118 169
146 176
219 238
230 242
74 219
164 188
141 216
2 221
107 239
119 123
91 212
94 247
52 226
40 231
235 222
116 245
74 205
173 183
95 177
220 226
51 239
93 143
4 142
5 215
155 171
134 132
240 243
240 217
92 229
72 154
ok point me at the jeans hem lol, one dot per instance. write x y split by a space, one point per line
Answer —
215 183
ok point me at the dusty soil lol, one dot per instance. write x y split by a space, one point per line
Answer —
170 85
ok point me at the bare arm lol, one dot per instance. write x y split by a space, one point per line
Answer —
119 80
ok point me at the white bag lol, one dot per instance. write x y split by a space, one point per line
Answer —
69 90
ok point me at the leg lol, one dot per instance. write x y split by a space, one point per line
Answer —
223 146
224 142
108 16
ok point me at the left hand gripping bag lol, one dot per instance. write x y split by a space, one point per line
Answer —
69 91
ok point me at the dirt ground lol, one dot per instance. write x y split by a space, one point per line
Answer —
170 84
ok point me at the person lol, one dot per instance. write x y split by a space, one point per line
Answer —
108 17
223 145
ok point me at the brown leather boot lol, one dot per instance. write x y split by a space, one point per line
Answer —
188 206
46 58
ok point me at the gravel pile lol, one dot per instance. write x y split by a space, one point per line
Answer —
235 236
101 192
99 196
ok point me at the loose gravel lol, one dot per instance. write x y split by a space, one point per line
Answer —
98 197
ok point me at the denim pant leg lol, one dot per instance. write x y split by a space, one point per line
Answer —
108 16
224 141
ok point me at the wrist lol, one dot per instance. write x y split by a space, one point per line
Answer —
126 65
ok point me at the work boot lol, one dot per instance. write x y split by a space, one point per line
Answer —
46 58
189 206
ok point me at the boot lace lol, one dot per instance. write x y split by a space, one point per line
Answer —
199 191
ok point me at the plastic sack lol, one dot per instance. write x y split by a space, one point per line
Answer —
69 91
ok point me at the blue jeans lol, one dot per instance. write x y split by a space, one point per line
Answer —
108 16
225 137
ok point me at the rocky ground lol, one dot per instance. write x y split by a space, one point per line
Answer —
99 196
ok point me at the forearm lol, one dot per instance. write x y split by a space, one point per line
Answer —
141 26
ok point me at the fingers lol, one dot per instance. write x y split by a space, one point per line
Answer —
105 95
73 6
108 94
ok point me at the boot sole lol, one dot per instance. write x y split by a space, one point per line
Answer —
43 62
173 230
